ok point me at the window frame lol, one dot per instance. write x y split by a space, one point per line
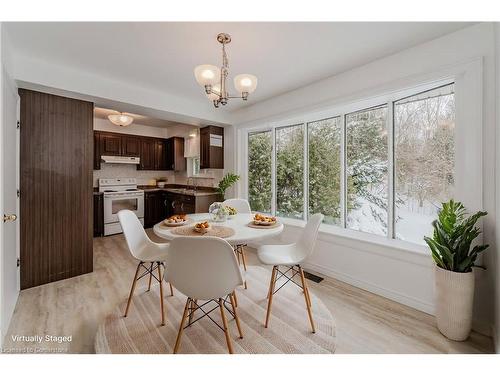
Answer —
247 161
468 140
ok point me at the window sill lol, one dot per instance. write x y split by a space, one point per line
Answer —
377 244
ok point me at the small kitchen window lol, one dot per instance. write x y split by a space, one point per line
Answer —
193 166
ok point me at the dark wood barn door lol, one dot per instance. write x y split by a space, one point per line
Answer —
56 187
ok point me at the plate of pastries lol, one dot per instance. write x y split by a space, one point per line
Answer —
175 220
260 219
202 227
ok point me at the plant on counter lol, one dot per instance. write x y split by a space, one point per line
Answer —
455 256
453 235
226 182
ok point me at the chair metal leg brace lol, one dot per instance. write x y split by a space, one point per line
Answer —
272 290
192 306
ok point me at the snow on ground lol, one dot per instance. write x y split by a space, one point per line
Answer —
412 223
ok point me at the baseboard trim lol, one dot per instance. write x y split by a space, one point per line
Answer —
370 287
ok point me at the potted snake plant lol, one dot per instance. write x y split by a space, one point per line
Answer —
455 256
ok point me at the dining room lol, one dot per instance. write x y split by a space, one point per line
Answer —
209 197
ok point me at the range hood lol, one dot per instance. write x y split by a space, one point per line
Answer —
120 159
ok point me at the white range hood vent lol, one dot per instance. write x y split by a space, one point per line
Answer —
121 159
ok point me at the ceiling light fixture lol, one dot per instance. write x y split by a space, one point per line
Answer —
213 79
121 119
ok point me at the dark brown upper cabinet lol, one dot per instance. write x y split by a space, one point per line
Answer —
148 161
111 144
175 154
212 147
161 155
131 146
156 154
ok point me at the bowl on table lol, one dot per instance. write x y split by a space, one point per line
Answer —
202 227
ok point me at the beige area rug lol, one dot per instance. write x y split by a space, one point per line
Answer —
288 332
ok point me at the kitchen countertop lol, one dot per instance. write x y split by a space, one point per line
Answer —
177 190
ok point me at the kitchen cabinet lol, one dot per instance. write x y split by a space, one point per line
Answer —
155 207
175 159
161 155
212 147
181 204
131 146
98 215
156 154
110 144
147 154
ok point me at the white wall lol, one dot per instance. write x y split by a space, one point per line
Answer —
404 276
8 116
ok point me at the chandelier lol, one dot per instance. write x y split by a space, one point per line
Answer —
213 79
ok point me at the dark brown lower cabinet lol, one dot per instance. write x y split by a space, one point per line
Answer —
98 215
155 207
56 162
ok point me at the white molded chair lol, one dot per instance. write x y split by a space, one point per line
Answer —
243 207
291 256
145 251
206 269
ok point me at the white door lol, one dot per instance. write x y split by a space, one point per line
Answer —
9 140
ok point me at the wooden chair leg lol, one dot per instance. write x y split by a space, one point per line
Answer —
191 311
306 297
132 288
271 291
170 284
181 326
224 324
243 258
233 305
235 299
161 296
150 276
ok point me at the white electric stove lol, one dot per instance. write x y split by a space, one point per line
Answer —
120 194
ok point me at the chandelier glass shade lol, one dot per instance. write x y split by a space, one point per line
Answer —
213 79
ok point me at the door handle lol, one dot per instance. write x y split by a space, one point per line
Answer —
11 217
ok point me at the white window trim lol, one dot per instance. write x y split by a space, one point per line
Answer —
467 77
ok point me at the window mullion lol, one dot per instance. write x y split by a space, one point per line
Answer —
390 170
306 172
273 172
343 176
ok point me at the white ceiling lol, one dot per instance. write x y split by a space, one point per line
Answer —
138 119
284 56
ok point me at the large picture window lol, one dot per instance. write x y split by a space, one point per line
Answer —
424 142
324 168
260 148
290 171
366 168
383 170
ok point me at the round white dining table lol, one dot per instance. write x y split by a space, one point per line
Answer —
242 232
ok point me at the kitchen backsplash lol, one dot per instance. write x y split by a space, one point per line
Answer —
143 177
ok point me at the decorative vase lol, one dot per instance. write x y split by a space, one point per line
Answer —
218 212
454 302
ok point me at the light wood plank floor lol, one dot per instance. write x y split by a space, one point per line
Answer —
366 323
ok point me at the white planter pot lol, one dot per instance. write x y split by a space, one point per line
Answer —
454 302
